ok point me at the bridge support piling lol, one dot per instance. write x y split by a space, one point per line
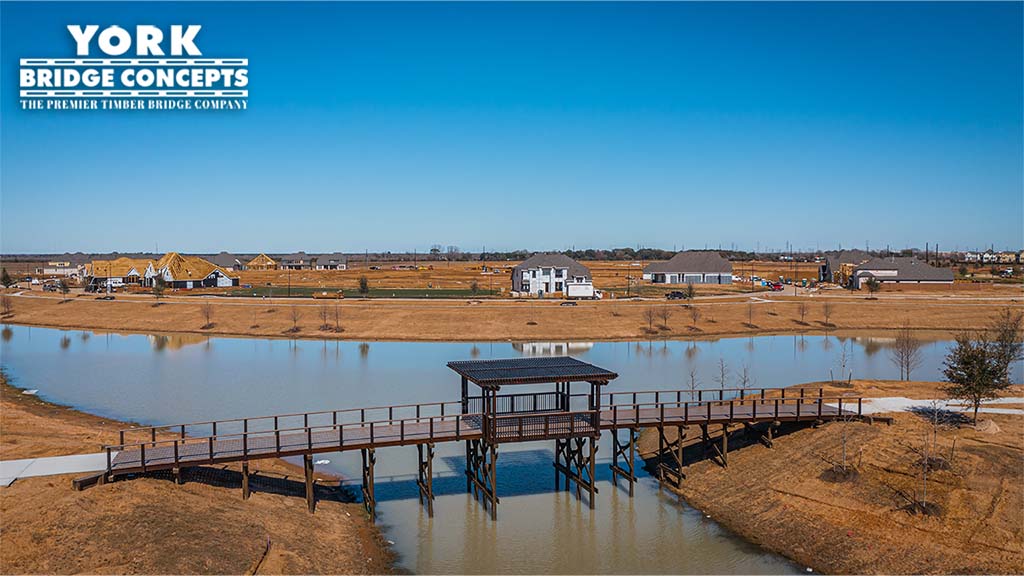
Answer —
245 480
177 475
671 472
481 473
425 479
725 445
307 461
369 457
627 450
575 459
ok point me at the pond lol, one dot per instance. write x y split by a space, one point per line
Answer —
165 379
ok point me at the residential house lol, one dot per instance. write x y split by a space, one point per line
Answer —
899 270
296 261
117 272
333 261
229 262
262 262
542 274
989 257
179 271
690 267
837 266
972 257
1007 257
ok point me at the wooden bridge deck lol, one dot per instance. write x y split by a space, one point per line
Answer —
526 425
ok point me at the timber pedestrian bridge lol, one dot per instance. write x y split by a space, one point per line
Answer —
484 421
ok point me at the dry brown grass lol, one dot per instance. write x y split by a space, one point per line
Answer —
152 526
382 319
781 499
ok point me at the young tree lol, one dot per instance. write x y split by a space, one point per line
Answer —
750 315
64 285
6 279
665 313
650 315
6 305
972 370
873 286
694 383
337 317
158 288
474 288
364 285
690 292
206 309
694 316
906 351
743 379
826 312
801 309
296 315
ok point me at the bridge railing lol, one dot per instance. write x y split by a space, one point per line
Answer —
609 399
778 408
543 426
231 446
204 429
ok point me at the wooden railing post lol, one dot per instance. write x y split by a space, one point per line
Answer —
142 456
182 431
176 453
277 440
120 437
371 432
309 438
859 406
109 467
776 413
709 411
211 448
401 430
152 436
615 416
819 407
686 412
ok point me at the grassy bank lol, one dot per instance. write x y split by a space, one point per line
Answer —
787 498
152 526
483 320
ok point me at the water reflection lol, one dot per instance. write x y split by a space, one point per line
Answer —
164 379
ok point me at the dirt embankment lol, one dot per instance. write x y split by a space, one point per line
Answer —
153 526
479 320
786 499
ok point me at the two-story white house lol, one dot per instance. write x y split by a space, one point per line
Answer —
543 274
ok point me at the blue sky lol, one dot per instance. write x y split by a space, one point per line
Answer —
392 126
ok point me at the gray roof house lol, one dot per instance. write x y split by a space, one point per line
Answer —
549 273
900 270
332 261
229 261
691 267
296 261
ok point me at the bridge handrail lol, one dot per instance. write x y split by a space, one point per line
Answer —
819 401
745 392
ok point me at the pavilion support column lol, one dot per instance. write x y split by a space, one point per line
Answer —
307 460
245 480
627 450
369 457
425 479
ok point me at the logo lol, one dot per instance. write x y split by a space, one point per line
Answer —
150 69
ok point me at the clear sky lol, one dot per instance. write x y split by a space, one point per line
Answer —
393 126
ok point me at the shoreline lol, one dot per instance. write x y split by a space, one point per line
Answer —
35 427
782 500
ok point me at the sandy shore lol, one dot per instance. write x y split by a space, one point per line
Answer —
785 499
152 526
495 320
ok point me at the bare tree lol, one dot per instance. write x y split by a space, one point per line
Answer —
6 304
826 312
694 316
337 317
649 315
690 292
743 379
64 285
665 313
158 288
295 315
844 360
324 312
906 351
722 378
801 309
694 383
206 309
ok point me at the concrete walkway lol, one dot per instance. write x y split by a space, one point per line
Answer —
901 404
11 470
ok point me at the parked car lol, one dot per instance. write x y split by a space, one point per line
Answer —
106 297
675 295
775 287
568 303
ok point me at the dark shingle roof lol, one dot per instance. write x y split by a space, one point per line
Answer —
907 269
225 260
553 260
692 261
496 373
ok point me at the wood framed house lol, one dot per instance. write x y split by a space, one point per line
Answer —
117 272
690 267
262 262
187 272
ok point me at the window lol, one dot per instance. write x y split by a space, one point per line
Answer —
533 273
559 273
558 286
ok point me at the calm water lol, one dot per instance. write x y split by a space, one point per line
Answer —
169 379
